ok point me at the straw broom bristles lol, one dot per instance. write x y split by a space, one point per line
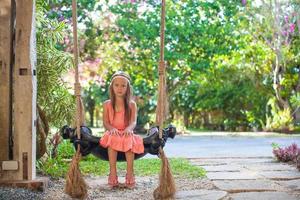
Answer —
166 188
75 184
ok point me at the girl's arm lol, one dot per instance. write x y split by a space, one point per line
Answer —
132 121
106 123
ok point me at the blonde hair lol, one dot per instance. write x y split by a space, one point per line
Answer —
128 95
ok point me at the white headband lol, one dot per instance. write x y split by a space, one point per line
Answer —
120 76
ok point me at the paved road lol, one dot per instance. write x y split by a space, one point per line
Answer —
225 146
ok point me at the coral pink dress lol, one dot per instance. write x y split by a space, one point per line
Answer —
120 142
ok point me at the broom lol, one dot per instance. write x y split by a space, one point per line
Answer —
166 188
75 184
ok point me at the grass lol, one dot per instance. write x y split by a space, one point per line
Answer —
90 165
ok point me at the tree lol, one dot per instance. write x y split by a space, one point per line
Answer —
55 103
195 32
276 23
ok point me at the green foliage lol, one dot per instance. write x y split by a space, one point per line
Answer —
91 32
274 25
93 97
66 150
54 167
180 167
195 32
52 63
278 120
220 66
295 100
58 167
63 9
275 145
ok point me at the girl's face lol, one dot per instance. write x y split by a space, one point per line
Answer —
120 85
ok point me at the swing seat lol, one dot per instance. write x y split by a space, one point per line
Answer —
90 143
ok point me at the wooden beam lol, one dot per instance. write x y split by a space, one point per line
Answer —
24 89
17 169
39 184
5 49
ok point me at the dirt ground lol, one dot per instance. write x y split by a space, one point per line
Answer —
98 189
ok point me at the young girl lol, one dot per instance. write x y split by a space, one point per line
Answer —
119 120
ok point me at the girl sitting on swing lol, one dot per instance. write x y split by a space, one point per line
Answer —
119 120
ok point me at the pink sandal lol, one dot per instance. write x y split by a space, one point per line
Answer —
113 181
130 181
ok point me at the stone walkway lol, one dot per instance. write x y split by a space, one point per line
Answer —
251 178
243 178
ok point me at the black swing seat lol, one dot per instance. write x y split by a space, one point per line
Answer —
90 143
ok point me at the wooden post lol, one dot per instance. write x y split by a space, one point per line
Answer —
24 88
19 168
5 64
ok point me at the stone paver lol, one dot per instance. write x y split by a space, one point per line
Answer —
281 175
230 160
211 162
252 178
222 168
252 160
270 167
291 184
200 194
235 186
263 196
242 175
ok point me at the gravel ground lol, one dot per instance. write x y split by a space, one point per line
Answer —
98 189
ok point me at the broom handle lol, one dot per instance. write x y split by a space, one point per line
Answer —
77 86
162 31
161 71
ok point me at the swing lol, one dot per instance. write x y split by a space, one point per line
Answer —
90 144
85 142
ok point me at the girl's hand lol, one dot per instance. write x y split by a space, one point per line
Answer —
114 131
128 132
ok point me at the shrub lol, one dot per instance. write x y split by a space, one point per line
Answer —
288 154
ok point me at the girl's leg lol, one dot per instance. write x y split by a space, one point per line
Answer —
129 159
112 156
130 182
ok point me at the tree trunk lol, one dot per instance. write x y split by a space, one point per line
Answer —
277 74
91 104
91 113
186 119
97 117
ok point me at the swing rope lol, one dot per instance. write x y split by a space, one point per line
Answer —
75 184
166 188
